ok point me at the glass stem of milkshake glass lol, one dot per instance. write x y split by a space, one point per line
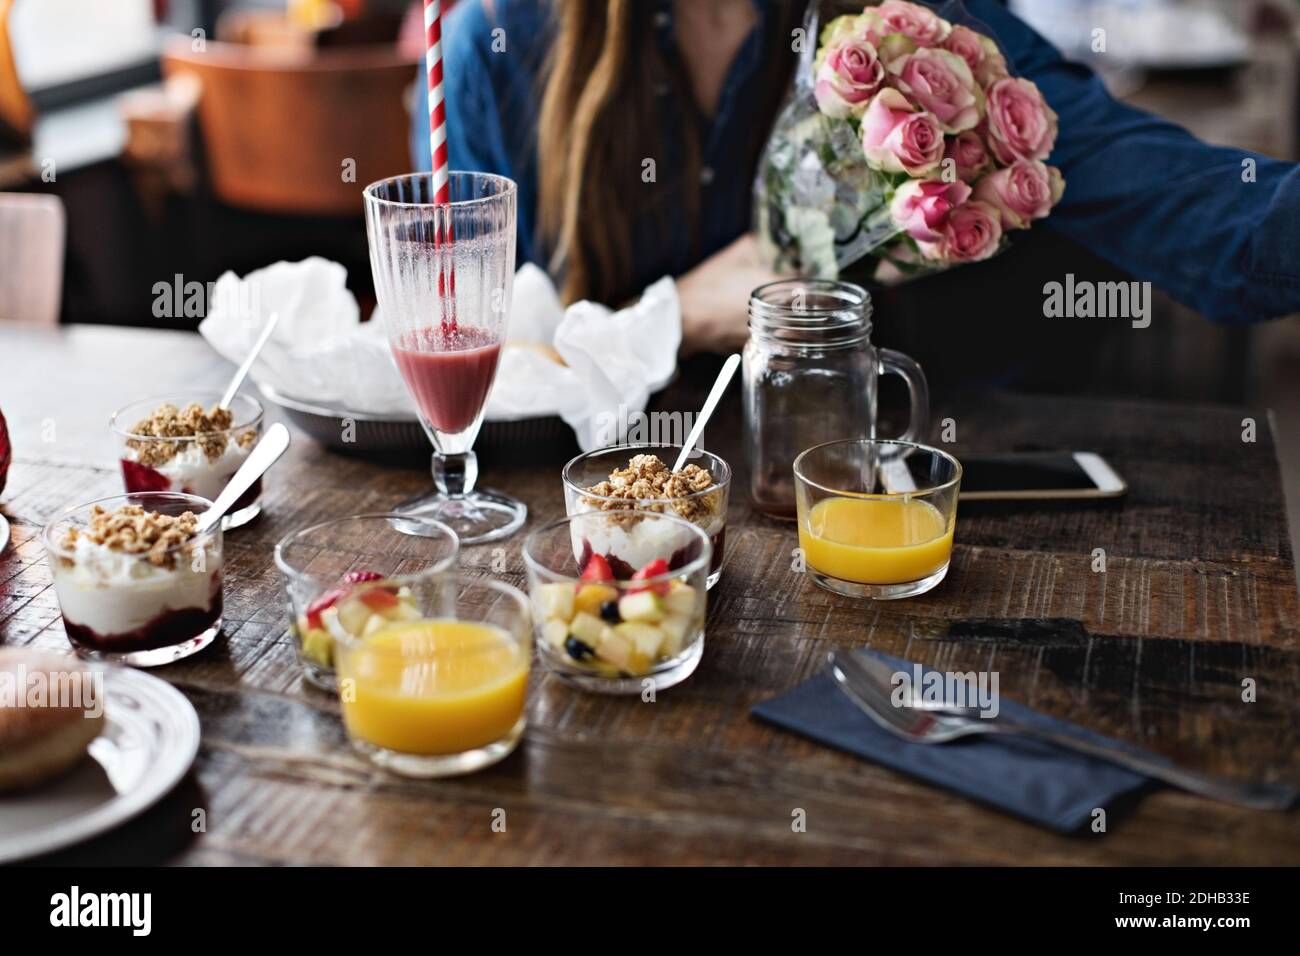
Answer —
443 278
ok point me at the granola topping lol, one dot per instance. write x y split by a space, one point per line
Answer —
132 530
648 484
189 425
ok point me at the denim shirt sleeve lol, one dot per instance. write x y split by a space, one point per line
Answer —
1155 201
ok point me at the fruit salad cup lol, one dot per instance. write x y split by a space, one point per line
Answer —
611 632
137 582
185 443
640 477
354 576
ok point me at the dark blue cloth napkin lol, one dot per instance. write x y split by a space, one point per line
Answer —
1031 778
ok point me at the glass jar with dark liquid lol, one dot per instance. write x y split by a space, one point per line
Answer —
810 374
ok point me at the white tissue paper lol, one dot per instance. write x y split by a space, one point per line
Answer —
322 353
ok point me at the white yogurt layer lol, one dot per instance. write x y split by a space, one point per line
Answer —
640 544
190 471
113 593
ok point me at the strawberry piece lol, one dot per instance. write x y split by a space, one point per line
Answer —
360 577
378 599
597 569
654 569
323 601
138 477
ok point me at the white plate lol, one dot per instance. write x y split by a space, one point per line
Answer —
4 533
150 739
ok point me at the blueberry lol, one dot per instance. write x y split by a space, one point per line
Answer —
609 612
579 650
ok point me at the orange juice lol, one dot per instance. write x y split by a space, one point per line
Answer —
434 686
875 540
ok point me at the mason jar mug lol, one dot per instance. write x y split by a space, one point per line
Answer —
810 376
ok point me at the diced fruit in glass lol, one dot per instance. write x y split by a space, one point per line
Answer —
379 599
591 596
555 601
676 628
680 599
323 601
554 632
359 577
402 611
641 606
578 650
597 569
374 624
317 646
353 616
654 569
646 639
615 647
587 628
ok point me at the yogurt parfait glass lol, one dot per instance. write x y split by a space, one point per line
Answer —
355 575
617 635
182 442
607 480
125 605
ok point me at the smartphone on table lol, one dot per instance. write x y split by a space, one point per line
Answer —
1039 476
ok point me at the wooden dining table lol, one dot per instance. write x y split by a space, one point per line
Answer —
1196 606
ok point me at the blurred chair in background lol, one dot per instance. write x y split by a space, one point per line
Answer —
295 132
32 234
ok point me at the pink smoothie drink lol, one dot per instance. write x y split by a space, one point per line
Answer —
449 372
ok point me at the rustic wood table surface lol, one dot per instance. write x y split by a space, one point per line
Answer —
1199 593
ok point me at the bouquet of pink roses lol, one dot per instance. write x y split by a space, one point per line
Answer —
906 139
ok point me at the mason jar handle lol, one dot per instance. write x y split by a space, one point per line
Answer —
918 426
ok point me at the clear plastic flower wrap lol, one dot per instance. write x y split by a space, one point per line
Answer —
904 146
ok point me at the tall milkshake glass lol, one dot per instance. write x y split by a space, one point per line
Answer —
443 276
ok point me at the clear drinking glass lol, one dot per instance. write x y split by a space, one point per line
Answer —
443 692
200 464
140 609
810 375
612 635
372 558
443 276
876 518
706 508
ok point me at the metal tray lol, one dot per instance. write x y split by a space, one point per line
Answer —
374 434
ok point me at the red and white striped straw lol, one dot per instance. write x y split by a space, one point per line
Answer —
437 105
438 145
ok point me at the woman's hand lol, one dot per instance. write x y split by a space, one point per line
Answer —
714 297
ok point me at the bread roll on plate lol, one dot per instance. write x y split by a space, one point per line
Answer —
44 732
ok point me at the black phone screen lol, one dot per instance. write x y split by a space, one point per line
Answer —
1051 471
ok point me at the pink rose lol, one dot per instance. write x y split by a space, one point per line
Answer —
965 42
1024 191
969 155
942 83
993 66
923 27
921 206
1021 124
897 139
972 233
849 76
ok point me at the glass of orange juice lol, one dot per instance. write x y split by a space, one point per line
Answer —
876 517
441 691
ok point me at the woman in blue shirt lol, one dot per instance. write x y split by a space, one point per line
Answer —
649 116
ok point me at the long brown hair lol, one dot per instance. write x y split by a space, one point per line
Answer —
600 120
